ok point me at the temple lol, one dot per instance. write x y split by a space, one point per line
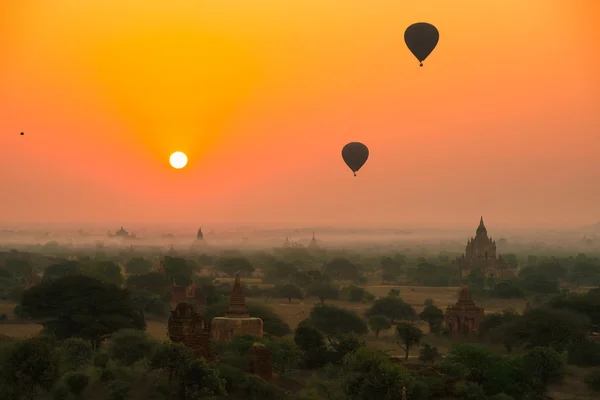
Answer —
464 316
313 243
480 255
199 235
237 320
190 294
187 327
122 233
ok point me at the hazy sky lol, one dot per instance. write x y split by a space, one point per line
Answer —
502 121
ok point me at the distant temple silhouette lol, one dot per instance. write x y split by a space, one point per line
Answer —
122 233
480 255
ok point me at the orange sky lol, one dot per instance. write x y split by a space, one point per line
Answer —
502 121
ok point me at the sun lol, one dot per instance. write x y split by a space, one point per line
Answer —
178 160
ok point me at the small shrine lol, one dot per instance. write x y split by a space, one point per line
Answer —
190 294
237 320
464 316
188 328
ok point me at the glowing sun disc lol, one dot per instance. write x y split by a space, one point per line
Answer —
178 160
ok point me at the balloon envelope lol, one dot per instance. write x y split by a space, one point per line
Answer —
355 155
421 38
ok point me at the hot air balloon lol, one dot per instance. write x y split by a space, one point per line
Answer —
421 38
355 155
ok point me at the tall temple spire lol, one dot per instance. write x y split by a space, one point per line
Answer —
237 302
481 228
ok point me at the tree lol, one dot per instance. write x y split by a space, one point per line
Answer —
231 265
279 271
544 365
305 278
178 270
74 353
429 353
379 323
128 346
392 307
80 306
368 374
322 290
289 292
105 271
312 342
552 328
28 366
171 358
138 266
356 294
198 380
152 282
333 320
341 269
77 382
434 318
408 336
507 290
55 271
286 354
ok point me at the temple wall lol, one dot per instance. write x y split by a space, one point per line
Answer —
223 328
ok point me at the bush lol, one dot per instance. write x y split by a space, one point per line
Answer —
592 379
584 354
118 390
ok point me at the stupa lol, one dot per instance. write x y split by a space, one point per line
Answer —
237 321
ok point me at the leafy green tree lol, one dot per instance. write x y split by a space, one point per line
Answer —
429 353
77 382
152 282
379 323
172 358
80 306
286 354
392 307
312 342
105 271
507 290
322 290
74 353
544 365
434 318
60 270
552 328
29 367
408 336
356 294
138 266
333 320
231 265
280 271
368 374
289 292
128 346
178 270
341 269
198 380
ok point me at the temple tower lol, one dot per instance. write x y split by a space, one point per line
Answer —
237 320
